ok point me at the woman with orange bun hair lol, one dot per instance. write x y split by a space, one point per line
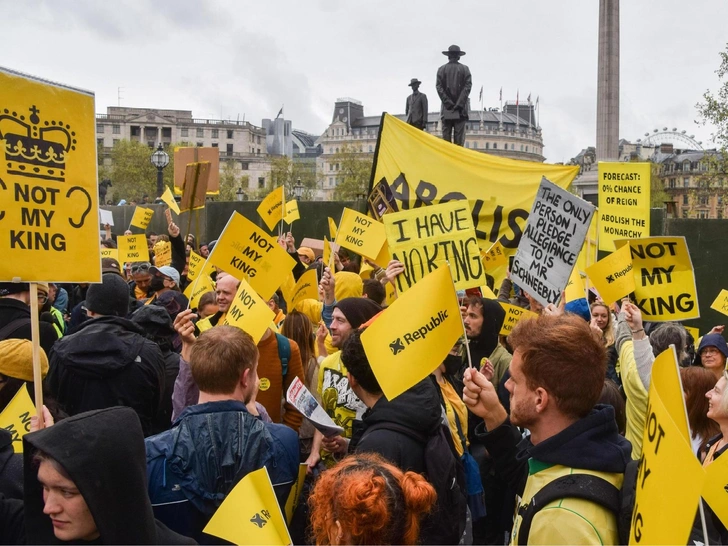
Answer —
366 500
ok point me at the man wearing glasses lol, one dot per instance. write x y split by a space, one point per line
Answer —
141 280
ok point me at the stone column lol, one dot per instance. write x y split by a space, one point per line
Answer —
608 82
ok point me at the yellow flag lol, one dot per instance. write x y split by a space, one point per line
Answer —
494 257
721 302
246 251
271 209
287 287
487 293
670 477
360 234
575 287
133 248
15 418
291 212
195 266
612 276
295 495
332 229
306 289
195 290
365 270
250 514
162 253
326 256
142 217
384 256
390 292
413 335
514 315
168 198
715 489
249 312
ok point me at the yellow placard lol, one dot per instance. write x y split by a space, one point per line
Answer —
332 228
326 256
721 302
168 199
133 248
250 514
305 289
494 257
624 202
249 312
414 334
295 495
287 287
194 267
291 214
271 209
110 253
142 217
693 332
48 190
15 418
425 238
365 271
246 251
715 488
487 293
384 256
664 281
360 234
612 276
390 294
670 477
514 315
195 290
162 253
575 287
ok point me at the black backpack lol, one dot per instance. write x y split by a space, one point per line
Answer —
590 488
445 473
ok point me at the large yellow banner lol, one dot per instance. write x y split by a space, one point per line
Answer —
48 183
414 169
624 202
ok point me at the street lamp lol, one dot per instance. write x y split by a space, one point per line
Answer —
298 189
240 194
160 159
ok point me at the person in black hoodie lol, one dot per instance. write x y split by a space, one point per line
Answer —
108 361
85 482
15 315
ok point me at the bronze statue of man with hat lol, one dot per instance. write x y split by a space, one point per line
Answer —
416 107
453 85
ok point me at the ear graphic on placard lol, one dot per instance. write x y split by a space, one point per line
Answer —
87 204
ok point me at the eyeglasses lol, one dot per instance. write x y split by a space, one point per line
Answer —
709 351
142 267
42 298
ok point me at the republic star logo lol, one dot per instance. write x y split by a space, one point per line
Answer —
397 346
610 279
258 520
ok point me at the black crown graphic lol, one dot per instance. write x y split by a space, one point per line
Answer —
33 150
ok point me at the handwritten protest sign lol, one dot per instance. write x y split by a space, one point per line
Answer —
142 217
514 315
425 238
721 302
360 234
664 282
15 418
666 500
133 248
162 253
48 183
495 256
305 289
624 202
169 200
272 207
551 242
612 276
246 251
249 312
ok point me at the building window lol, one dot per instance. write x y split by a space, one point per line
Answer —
258 151
702 215
685 199
495 145
261 182
185 132
116 129
136 131
100 142
526 148
686 182
331 181
337 166
243 165
703 200
370 149
672 183
116 141
229 148
684 214
513 146
686 166
215 133
230 133
214 144
99 128
487 145
521 147
475 144
166 132
257 138
200 132
337 150
150 143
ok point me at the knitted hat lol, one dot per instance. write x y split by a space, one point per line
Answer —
16 359
110 297
358 310
580 308
42 287
714 340
7 288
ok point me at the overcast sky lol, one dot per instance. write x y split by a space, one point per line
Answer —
236 58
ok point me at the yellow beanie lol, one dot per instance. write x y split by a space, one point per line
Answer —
16 359
348 285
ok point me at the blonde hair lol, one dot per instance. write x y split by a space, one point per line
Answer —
608 332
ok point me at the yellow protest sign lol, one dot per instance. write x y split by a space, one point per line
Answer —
384 256
306 289
514 315
169 200
142 217
332 228
295 495
624 202
250 514
487 293
664 282
195 290
495 256
575 287
666 499
693 332
715 488
291 214
413 335
390 294
365 271
49 192
133 248
287 287
194 267
612 276
425 238
162 253
360 234
110 253
249 312
246 251
271 209
721 302
15 418
326 256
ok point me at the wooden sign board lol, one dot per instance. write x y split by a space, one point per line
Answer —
184 156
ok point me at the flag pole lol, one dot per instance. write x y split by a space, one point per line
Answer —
462 323
35 336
